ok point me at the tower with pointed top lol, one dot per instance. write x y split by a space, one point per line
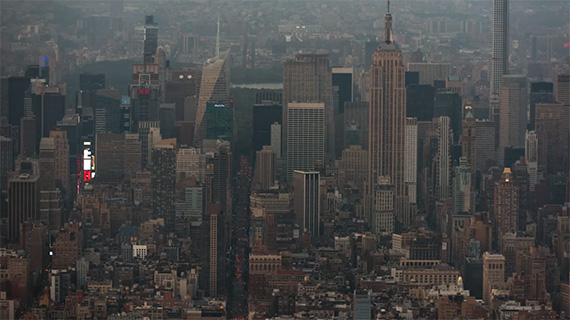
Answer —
387 121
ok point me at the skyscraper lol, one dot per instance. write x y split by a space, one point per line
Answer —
308 78
443 158
513 113
539 92
164 181
463 197
264 115
214 87
276 139
430 72
383 213
150 39
500 56
493 274
23 203
219 121
553 134
110 156
563 89
506 204
306 202
306 136
411 159
387 120
468 142
144 93
264 168
61 159
531 157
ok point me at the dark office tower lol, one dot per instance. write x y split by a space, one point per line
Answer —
219 121
48 106
513 113
144 129
72 126
108 111
420 102
144 93
214 87
342 78
12 100
468 143
221 189
163 181
28 143
356 123
265 113
563 89
32 71
306 202
23 203
307 78
369 48
6 160
500 55
132 155
539 92
182 90
110 157
150 39
553 134
387 116
512 155
166 116
91 81
184 132
412 78
125 110
449 104
417 56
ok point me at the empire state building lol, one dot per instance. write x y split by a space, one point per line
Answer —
387 121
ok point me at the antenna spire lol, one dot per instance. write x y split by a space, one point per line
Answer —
218 37
388 36
388 6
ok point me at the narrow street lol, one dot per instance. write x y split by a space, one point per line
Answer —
237 299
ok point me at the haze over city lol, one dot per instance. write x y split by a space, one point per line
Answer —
284 160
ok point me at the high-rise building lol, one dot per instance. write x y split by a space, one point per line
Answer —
463 195
110 156
276 139
13 98
305 136
28 143
91 81
430 71
166 116
500 55
265 114
6 160
219 121
493 274
369 48
144 129
443 158
214 87
387 121
23 203
469 143
150 39
356 121
132 150
448 104
513 113
506 204
214 212
342 79
539 92
485 150
61 159
420 101
164 181
354 165
47 164
531 157
383 213
48 107
306 202
411 160
308 79
187 164
553 134
362 306
264 168
145 93
182 90
563 89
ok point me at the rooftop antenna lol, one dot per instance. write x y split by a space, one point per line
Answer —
388 6
218 37
388 36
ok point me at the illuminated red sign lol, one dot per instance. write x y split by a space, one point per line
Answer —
86 176
144 91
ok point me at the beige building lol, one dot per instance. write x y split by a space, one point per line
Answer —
512 114
387 121
429 71
264 168
260 263
354 164
493 274
61 157
506 204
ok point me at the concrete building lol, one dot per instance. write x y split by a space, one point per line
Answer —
443 158
429 71
164 181
506 205
493 274
23 203
500 55
264 168
305 136
463 195
383 214
411 161
512 114
553 134
485 148
354 165
306 202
